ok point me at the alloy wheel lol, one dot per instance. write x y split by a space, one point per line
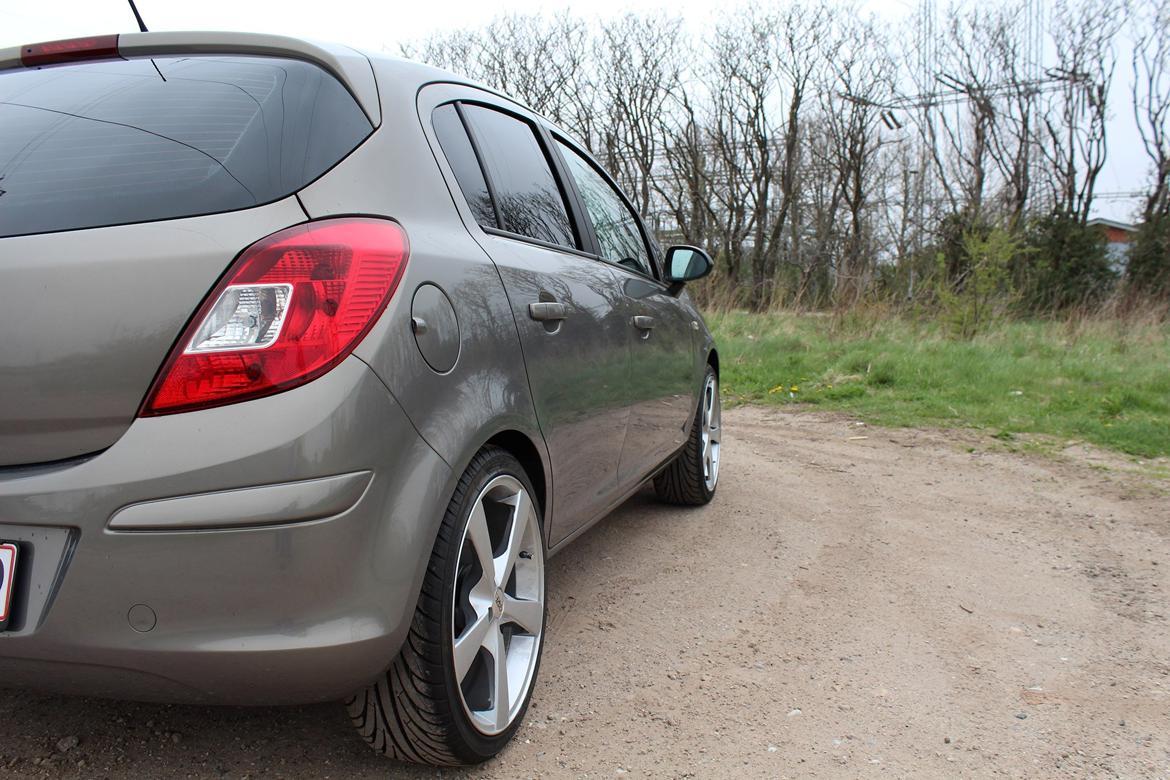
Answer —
710 433
498 610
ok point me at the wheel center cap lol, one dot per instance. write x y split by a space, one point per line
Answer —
498 604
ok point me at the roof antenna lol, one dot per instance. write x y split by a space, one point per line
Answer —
138 16
142 28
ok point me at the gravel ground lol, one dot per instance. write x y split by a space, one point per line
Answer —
855 602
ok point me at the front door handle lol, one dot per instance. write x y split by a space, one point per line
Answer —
546 311
642 322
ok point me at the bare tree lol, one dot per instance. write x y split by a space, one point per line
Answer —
803 32
981 106
818 211
762 66
743 134
639 68
968 123
771 139
1076 118
1013 133
684 183
863 81
542 62
1151 102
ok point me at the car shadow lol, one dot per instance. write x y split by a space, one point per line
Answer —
51 735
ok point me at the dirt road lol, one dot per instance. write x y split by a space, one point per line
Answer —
907 603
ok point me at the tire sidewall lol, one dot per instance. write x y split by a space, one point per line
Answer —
698 433
481 747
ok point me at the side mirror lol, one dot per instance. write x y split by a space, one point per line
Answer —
686 264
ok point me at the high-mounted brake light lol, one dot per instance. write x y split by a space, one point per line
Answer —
98 47
292 307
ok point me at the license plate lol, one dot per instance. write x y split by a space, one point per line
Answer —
7 578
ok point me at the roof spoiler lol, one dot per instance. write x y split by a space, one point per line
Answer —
349 66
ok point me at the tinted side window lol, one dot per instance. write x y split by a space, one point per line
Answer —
108 143
461 156
527 196
615 225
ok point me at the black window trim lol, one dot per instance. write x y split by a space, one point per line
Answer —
569 200
656 273
474 141
501 233
582 226
589 243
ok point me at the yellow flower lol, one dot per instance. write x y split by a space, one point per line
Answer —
794 389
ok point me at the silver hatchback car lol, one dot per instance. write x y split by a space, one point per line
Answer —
310 360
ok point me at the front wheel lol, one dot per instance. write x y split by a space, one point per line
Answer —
462 682
690 479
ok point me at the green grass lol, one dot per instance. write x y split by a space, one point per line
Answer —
1104 382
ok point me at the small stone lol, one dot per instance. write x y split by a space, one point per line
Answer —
65 744
1022 715
946 740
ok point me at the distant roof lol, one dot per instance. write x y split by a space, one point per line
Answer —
1112 223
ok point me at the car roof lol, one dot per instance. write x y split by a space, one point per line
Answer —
351 66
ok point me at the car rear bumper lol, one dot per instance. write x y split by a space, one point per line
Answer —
268 552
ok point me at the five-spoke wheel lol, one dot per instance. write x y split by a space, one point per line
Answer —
498 604
709 431
462 682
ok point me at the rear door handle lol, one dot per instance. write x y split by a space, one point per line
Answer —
642 322
546 311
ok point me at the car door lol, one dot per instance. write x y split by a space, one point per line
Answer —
662 390
568 309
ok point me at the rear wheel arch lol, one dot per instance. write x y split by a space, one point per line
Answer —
517 443
419 709
523 449
713 361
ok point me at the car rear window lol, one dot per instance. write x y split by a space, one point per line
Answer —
109 143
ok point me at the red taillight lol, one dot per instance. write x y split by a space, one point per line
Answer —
292 307
99 47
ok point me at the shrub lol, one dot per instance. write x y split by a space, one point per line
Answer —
1148 269
1068 264
974 280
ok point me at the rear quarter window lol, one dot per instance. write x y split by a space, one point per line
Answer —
528 198
108 143
461 156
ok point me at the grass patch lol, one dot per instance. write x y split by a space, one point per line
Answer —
1105 382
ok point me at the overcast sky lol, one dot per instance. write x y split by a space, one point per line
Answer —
386 25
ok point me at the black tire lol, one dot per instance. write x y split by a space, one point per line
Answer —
683 481
414 711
